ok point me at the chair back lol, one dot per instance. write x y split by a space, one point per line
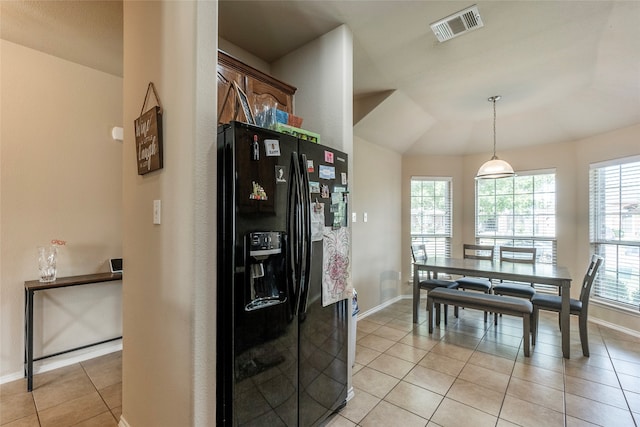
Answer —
589 277
419 252
478 251
518 254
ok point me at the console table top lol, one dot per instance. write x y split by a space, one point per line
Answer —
61 282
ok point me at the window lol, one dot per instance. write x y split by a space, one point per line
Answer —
431 214
518 211
614 228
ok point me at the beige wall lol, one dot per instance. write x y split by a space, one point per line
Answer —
61 178
169 288
376 244
571 161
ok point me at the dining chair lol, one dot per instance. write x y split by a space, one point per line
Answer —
516 255
419 254
479 284
522 255
579 307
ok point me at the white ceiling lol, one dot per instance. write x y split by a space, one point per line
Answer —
565 69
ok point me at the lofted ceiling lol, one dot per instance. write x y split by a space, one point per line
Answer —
565 69
84 32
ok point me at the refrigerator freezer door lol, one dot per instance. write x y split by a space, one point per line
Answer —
257 353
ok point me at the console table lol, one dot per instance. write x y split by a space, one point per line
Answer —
30 288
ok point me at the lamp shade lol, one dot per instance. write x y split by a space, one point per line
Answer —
495 168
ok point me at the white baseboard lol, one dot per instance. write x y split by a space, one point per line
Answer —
615 327
350 394
377 308
123 422
66 359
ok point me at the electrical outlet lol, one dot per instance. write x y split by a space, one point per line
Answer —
364 217
354 217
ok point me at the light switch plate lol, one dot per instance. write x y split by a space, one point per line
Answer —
364 217
354 217
157 211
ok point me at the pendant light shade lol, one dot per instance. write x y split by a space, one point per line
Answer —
495 168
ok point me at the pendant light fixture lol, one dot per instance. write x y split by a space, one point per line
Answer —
495 168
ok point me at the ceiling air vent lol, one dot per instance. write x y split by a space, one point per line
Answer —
457 24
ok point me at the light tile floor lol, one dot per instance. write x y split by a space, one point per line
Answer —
465 373
86 394
471 373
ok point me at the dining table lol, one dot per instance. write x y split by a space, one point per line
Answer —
547 274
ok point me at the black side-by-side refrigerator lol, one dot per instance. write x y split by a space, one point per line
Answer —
281 342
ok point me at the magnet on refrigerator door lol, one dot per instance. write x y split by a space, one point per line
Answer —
324 191
280 175
327 172
272 147
314 187
328 156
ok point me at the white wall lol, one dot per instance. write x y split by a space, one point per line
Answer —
169 289
61 178
322 70
377 247
244 56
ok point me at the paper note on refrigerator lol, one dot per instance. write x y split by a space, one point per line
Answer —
336 284
327 172
317 221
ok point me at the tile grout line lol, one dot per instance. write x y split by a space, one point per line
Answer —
99 394
617 377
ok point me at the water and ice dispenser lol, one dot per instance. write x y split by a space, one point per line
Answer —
265 269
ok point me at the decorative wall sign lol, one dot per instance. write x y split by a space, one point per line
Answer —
148 128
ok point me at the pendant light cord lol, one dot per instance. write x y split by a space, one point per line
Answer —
494 128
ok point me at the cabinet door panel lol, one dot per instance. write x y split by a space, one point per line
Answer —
262 94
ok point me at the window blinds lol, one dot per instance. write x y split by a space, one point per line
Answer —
519 211
431 214
614 228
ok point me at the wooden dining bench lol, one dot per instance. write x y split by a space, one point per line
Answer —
487 302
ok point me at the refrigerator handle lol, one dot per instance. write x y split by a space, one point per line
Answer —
306 233
293 222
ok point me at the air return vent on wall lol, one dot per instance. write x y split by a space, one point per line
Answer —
457 24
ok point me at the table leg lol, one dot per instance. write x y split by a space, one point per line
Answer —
28 339
26 330
564 320
430 308
416 293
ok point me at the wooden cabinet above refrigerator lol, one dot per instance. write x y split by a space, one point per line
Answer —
261 89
